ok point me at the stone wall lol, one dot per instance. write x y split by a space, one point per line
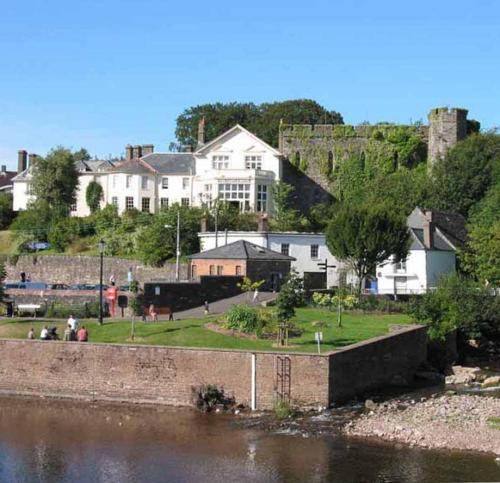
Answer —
167 375
85 269
375 363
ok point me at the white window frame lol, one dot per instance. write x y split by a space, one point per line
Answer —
164 183
185 201
253 161
220 161
127 205
314 247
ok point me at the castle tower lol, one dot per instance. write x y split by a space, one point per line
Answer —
446 128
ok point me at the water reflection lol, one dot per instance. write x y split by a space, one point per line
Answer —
47 441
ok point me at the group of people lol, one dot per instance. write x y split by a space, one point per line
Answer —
71 333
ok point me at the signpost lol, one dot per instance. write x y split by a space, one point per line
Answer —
318 336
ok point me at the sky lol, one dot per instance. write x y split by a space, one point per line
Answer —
102 74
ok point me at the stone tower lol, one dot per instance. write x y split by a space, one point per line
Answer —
446 128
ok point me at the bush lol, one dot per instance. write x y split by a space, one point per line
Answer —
460 304
80 311
283 409
244 319
209 396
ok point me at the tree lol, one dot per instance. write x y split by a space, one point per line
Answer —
463 177
93 196
365 236
55 178
81 155
285 218
289 297
262 120
3 274
6 213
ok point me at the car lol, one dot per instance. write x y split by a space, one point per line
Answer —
58 286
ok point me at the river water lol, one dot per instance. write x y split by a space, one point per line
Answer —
50 441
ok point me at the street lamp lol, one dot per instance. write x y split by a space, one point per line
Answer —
178 245
102 246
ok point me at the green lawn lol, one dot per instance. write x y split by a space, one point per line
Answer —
191 333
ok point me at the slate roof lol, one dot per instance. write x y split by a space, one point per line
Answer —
171 163
6 178
241 250
132 166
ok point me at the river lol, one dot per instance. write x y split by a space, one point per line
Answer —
63 441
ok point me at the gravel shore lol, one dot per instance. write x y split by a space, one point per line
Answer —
448 421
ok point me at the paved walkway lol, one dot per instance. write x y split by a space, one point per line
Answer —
222 306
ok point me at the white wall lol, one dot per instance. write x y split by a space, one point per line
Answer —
20 197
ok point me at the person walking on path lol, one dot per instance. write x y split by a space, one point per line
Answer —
170 313
207 307
255 299
82 335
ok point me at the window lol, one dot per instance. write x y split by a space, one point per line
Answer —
212 270
163 202
238 270
219 269
185 183
400 266
314 251
262 197
220 162
235 190
194 271
114 200
128 181
144 182
73 207
145 205
253 162
185 201
164 183
129 202
285 249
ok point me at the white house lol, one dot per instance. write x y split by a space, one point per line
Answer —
435 237
237 167
308 249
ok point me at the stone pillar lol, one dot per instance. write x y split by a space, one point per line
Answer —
446 128
22 160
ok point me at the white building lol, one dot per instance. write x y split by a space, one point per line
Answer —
237 167
435 237
308 249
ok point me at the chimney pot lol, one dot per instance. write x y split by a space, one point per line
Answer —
137 150
22 160
4 168
129 152
147 149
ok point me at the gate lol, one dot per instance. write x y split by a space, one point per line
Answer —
283 365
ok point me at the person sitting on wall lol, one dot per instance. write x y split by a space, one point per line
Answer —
31 333
53 335
152 313
67 333
44 334
82 335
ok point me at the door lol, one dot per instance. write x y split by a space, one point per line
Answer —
400 285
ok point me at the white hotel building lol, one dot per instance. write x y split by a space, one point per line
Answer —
237 166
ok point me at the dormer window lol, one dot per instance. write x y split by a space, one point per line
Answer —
253 162
220 162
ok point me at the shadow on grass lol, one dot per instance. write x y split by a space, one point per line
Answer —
168 330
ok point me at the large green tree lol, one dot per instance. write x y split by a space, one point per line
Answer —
6 213
55 178
463 177
263 120
365 236
285 218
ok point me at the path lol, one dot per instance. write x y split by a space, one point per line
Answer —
222 306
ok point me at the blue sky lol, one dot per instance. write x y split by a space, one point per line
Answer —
101 74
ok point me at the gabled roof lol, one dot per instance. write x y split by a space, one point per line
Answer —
6 178
133 166
171 163
22 176
229 132
241 250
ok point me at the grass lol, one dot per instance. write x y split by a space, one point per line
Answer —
7 245
192 333
494 422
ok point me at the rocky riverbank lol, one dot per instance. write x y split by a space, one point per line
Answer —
446 421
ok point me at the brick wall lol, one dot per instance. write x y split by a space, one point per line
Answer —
228 266
166 375
152 374
85 269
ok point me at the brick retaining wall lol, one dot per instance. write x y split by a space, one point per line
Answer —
166 375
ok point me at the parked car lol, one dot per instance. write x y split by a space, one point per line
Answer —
26 285
37 246
58 286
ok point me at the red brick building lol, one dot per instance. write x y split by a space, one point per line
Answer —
242 258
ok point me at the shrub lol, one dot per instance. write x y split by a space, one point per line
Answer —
283 409
243 318
80 311
209 396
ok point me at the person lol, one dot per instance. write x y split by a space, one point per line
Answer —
170 313
82 335
23 277
207 307
67 333
44 334
256 296
53 335
73 323
31 334
152 313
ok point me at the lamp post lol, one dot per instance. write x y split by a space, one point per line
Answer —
177 245
102 245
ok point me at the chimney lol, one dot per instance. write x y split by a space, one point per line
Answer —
201 132
32 159
22 160
137 151
428 227
204 225
4 168
147 149
129 152
262 223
